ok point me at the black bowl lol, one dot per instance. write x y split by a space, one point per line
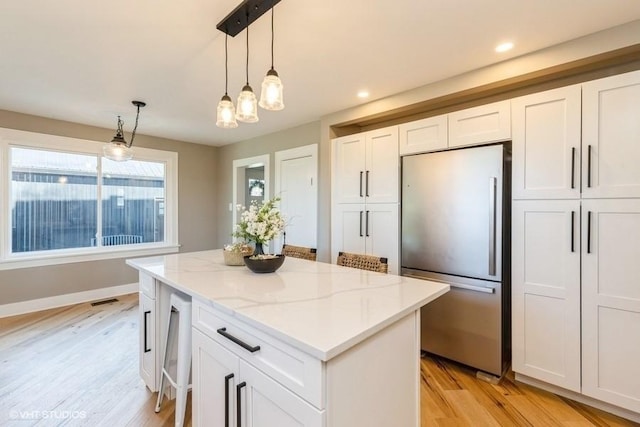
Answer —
268 265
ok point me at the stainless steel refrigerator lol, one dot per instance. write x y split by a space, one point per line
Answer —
456 229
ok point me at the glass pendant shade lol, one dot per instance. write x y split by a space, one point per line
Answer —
226 117
117 151
272 89
247 106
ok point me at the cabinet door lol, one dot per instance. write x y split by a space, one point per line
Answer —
214 389
382 166
611 301
480 125
265 403
148 351
546 291
347 229
424 135
546 144
611 137
349 169
382 232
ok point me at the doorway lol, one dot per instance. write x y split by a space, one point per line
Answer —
296 182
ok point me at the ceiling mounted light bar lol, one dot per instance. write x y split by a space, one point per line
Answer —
244 15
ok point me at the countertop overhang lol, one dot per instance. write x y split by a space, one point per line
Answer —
321 309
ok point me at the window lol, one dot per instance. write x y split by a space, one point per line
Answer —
65 201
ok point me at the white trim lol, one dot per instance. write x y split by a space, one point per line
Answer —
243 163
72 256
616 410
39 304
296 153
8 260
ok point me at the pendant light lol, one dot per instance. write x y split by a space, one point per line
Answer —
119 149
272 89
226 114
247 103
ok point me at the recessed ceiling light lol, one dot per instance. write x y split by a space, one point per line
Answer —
363 94
503 47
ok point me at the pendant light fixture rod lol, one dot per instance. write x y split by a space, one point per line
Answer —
138 105
244 15
272 38
247 63
226 65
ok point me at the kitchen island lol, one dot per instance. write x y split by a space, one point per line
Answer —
337 346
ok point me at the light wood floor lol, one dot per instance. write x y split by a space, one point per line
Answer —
78 366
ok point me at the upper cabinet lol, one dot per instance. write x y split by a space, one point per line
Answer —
367 167
424 135
546 144
479 125
611 137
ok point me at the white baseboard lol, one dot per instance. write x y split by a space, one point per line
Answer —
39 304
616 410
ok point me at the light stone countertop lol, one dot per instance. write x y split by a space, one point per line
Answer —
321 309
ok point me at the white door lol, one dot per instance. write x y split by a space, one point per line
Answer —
265 403
349 169
546 291
297 185
215 376
611 301
347 229
546 144
381 230
382 171
611 137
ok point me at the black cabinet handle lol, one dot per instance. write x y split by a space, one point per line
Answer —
366 191
239 403
367 224
146 313
589 166
573 167
224 333
573 227
361 224
589 232
361 183
226 400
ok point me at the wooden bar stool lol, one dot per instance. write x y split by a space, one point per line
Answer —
177 372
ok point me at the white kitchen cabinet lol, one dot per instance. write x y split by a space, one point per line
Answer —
268 383
611 301
479 125
611 137
370 229
546 144
148 352
366 167
422 136
220 377
546 291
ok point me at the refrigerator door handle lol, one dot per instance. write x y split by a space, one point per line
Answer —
492 225
483 289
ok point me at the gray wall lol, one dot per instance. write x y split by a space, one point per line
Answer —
295 137
197 214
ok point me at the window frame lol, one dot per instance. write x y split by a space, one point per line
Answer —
31 140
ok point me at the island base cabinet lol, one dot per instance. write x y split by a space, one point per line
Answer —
611 301
229 392
148 352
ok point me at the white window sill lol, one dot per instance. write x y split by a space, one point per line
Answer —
29 260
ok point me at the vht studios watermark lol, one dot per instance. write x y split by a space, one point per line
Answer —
47 415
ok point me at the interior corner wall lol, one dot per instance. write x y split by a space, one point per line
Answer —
268 144
196 215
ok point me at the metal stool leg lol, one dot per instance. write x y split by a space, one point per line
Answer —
180 314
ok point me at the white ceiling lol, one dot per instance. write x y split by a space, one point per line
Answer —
84 61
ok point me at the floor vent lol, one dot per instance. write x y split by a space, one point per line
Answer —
104 301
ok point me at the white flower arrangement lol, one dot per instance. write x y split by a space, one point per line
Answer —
260 224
